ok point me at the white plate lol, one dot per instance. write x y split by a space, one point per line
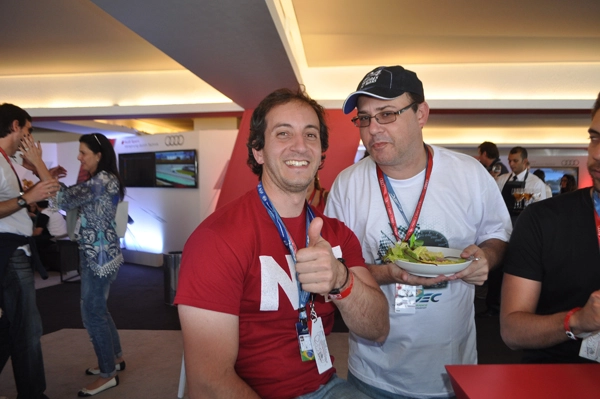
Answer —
428 270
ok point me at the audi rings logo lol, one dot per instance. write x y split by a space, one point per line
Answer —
569 162
171 141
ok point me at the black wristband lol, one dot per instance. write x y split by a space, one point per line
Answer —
336 291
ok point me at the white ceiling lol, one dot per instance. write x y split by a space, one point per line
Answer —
168 64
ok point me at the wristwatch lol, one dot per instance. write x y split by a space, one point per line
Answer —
21 201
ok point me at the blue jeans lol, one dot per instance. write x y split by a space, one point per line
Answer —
336 388
377 393
97 320
21 328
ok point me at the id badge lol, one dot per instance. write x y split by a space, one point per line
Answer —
405 300
590 347
319 343
304 342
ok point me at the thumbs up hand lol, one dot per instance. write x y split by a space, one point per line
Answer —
318 269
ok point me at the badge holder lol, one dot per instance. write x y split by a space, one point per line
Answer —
319 342
304 342
590 347
405 299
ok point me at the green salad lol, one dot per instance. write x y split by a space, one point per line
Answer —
413 251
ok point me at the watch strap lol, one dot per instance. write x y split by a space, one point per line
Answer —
336 291
22 202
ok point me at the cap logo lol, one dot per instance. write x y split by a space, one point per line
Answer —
370 78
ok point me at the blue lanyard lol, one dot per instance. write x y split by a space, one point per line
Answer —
596 202
394 198
288 241
597 213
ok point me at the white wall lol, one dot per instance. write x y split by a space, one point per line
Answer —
53 154
165 217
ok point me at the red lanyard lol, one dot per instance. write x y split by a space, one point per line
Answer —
13 169
388 204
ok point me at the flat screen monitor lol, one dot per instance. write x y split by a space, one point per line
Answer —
176 169
555 173
137 170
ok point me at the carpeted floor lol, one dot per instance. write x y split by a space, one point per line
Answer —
136 302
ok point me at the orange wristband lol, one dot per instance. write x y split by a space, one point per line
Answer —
343 294
566 323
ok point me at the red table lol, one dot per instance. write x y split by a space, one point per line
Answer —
515 381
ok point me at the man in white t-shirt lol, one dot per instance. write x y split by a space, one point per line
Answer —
20 322
50 222
454 202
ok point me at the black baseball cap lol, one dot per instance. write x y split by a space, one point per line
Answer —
385 83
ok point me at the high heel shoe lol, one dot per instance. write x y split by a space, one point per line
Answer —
118 367
91 392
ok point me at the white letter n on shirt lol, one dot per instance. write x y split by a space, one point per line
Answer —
273 276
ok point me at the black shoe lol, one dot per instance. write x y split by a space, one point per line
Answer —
488 314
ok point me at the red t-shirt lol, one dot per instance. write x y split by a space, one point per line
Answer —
236 263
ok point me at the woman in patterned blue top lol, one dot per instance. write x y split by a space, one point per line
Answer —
96 202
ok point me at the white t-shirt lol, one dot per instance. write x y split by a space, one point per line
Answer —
57 225
462 207
18 222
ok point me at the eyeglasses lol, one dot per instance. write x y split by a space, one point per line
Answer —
382 118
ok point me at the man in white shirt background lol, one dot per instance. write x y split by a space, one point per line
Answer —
519 178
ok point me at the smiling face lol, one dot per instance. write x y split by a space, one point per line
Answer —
292 152
397 145
593 163
89 160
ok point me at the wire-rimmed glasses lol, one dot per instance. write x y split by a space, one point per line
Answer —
383 117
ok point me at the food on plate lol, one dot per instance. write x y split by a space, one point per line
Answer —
415 252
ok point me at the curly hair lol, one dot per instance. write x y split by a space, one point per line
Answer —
258 123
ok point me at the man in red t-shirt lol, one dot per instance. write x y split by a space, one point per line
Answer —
261 277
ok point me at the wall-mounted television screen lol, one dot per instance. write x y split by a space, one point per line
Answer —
177 169
137 170
555 173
